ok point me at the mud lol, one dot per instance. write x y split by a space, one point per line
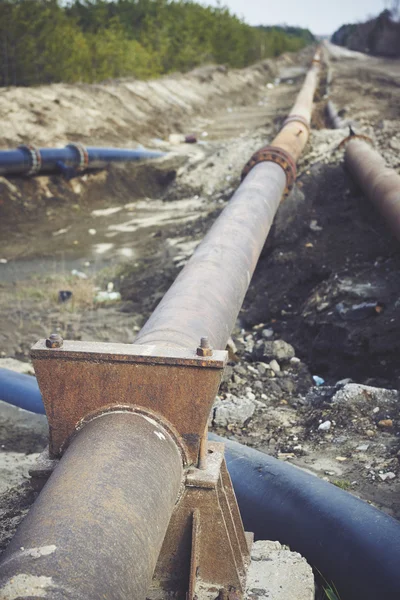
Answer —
327 282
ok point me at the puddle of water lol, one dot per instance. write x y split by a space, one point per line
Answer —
83 243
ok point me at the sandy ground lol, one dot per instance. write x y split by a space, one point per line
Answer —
327 264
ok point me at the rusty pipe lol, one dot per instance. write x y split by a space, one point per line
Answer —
97 527
206 297
380 183
294 134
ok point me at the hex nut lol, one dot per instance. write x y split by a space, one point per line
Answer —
54 341
204 351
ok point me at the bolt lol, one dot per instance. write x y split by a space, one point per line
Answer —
54 341
204 349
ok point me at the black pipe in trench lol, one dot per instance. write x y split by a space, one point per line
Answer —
351 543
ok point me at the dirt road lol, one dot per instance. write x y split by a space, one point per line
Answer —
328 263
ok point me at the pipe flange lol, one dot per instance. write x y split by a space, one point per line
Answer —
278 156
355 136
82 153
35 158
298 119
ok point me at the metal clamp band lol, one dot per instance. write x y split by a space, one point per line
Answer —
298 119
35 157
278 156
83 155
355 136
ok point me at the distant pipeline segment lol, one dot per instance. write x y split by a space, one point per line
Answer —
74 158
380 183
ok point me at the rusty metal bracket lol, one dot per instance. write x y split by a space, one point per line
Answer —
206 548
278 156
81 380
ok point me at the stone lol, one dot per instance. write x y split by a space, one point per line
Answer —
385 423
261 368
362 448
385 476
240 370
233 411
277 349
267 334
287 385
325 426
344 381
274 365
228 373
365 396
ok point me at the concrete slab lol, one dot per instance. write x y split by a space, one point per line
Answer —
276 573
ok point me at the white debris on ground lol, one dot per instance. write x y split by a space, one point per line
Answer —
16 365
14 467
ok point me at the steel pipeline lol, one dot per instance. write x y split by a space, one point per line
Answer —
379 183
111 461
96 529
30 160
206 297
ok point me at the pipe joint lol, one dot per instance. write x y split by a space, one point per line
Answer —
82 153
35 158
297 119
278 156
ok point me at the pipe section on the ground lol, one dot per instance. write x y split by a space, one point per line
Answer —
294 134
21 390
380 183
208 294
333 116
97 528
29 160
353 545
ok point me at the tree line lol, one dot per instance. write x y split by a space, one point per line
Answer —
46 41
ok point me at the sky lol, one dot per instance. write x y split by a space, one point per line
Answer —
320 16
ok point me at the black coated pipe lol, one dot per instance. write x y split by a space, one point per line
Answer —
30 160
97 528
352 544
333 115
21 390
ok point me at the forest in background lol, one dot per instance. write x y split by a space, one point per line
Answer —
46 41
379 36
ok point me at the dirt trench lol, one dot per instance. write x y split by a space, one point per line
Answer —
327 282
